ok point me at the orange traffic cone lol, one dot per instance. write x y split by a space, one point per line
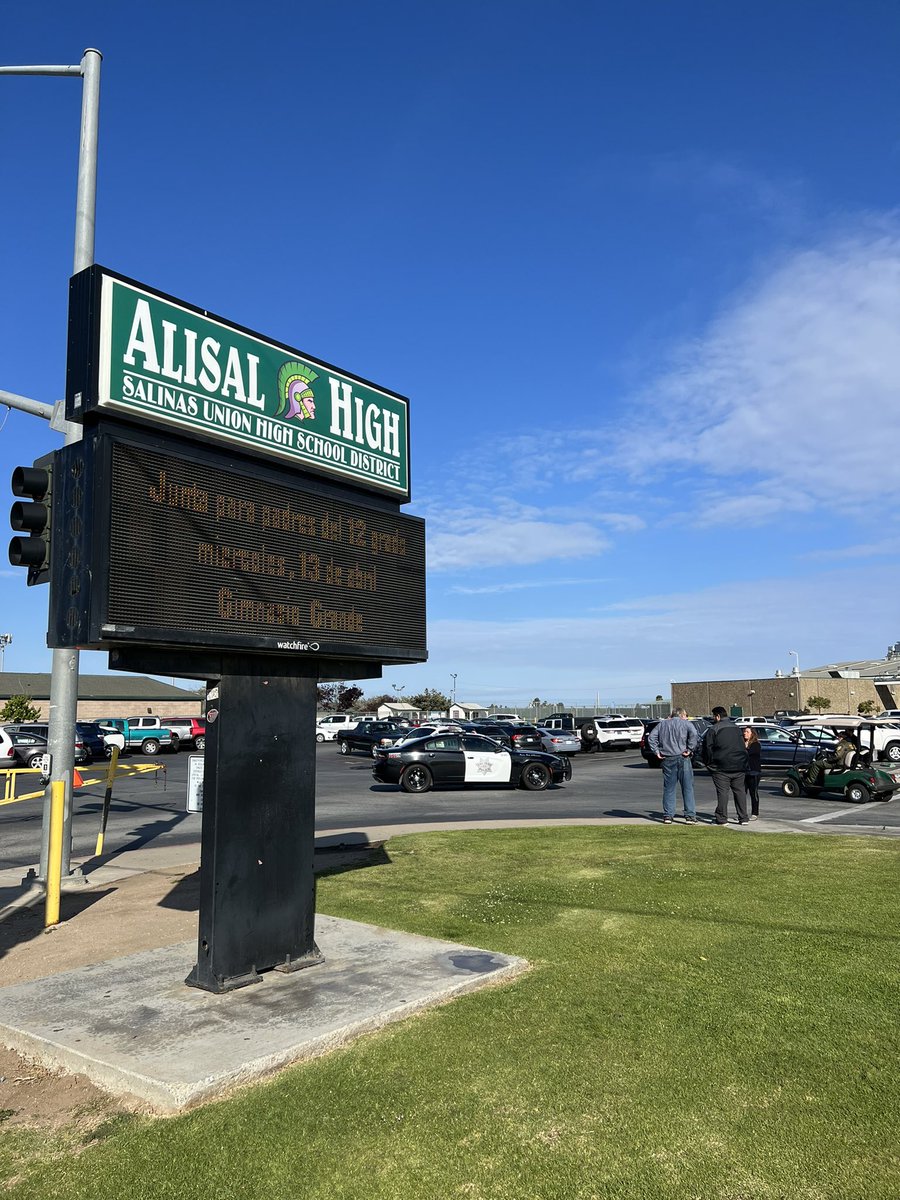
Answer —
77 781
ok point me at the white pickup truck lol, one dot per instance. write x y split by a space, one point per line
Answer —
327 727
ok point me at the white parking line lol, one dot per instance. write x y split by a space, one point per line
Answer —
842 812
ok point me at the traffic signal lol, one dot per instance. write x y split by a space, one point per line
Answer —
31 517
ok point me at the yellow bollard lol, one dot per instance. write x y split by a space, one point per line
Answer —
54 855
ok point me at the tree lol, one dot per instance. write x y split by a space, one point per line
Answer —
373 703
348 698
866 707
326 696
819 703
658 698
430 700
19 708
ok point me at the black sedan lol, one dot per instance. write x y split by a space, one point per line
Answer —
466 758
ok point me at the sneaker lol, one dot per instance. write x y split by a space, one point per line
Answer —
668 821
755 817
690 820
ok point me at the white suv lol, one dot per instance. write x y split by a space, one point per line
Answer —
608 733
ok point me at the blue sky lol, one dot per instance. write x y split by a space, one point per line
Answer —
637 268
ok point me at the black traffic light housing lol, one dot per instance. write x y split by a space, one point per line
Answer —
31 517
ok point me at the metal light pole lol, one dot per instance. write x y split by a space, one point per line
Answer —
453 692
5 640
796 671
64 673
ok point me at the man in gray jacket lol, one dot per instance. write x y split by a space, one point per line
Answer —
726 756
673 741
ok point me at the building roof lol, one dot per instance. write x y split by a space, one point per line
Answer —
94 687
864 668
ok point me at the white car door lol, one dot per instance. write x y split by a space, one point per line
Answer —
485 761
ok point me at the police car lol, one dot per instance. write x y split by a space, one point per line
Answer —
467 759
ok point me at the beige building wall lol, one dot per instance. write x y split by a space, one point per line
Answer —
769 695
90 710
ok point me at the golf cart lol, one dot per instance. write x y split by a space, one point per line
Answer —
858 776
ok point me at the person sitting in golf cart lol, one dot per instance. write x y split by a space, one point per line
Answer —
846 752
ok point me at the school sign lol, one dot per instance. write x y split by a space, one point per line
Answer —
140 354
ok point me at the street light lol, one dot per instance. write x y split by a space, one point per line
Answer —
5 640
796 670
453 693
750 696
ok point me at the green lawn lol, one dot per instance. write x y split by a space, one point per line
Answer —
710 1014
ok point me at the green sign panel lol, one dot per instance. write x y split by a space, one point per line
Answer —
160 360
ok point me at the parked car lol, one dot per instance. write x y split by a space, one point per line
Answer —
149 738
466 759
327 727
559 741
885 736
90 733
114 738
701 724
610 733
42 730
368 736
190 731
19 749
492 730
521 737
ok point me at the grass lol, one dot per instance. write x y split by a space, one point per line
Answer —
709 1015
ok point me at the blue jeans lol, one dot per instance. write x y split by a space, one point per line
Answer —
678 769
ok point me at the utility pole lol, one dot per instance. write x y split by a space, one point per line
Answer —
64 673
5 639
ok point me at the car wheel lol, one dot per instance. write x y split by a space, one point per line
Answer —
892 752
344 747
416 778
34 760
150 746
567 772
375 751
858 793
790 787
320 737
200 742
535 777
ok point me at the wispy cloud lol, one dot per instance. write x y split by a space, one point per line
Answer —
788 402
642 644
526 585
479 541
885 548
793 391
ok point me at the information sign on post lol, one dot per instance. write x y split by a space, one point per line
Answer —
142 355
156 548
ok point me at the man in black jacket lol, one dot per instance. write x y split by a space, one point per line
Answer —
726 756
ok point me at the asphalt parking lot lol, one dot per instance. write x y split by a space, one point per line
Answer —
620 786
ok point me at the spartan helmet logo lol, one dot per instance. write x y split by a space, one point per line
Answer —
295 394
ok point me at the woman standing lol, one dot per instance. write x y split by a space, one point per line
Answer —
754 770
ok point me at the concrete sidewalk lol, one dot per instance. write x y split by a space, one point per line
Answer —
103 993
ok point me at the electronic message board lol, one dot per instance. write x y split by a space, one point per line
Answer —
162 548
138 354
